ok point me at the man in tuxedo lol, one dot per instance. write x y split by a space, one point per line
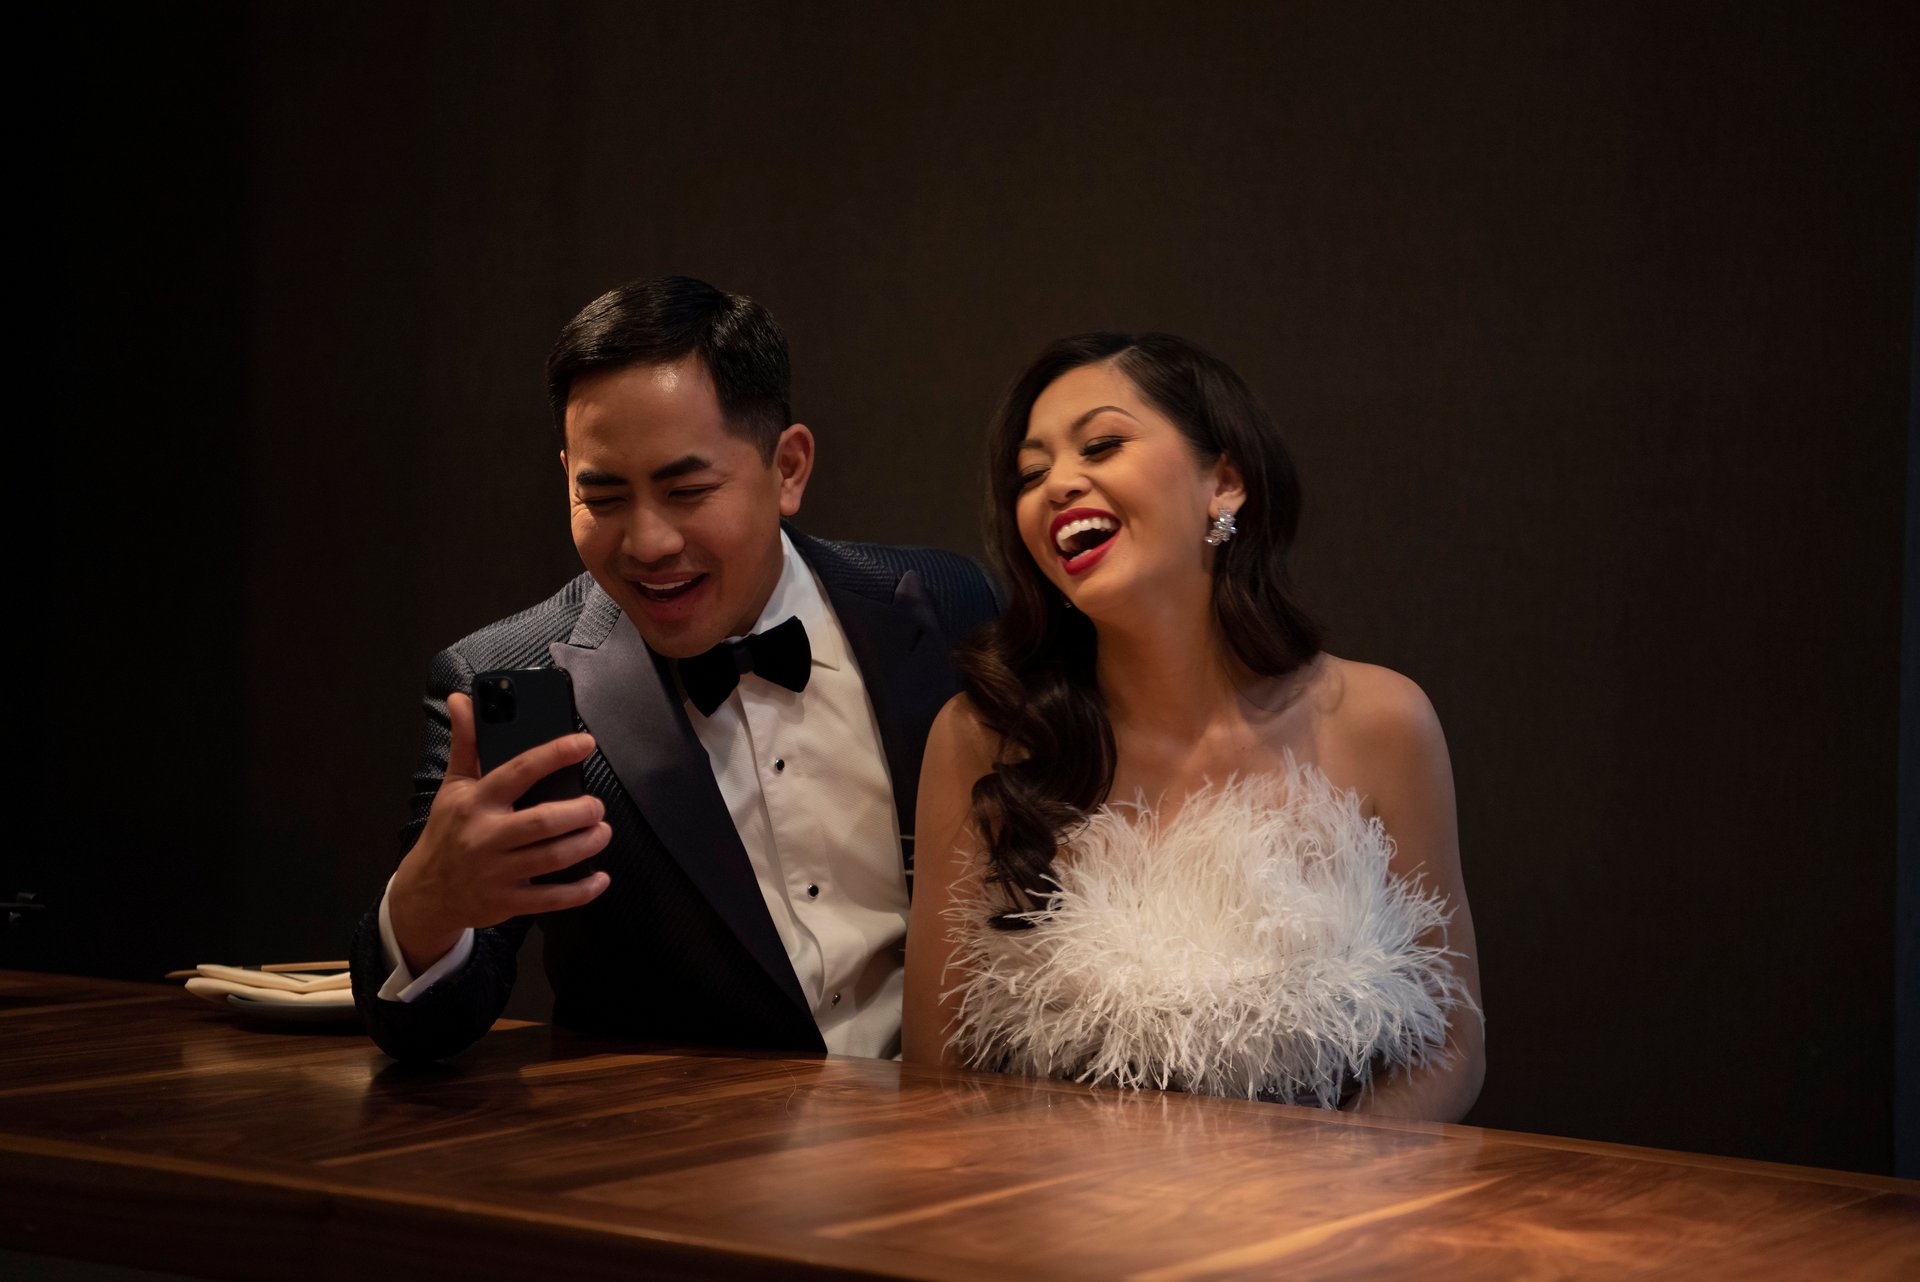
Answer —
754 703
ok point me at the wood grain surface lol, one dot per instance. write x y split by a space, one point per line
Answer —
140 1126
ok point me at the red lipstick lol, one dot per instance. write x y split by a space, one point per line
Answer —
1079 563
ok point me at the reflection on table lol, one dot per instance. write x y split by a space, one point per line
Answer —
139 1126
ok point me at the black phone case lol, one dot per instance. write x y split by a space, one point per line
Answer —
540 709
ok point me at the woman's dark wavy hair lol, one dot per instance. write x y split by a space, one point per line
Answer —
1030 675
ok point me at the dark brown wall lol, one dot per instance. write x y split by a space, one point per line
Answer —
1590 325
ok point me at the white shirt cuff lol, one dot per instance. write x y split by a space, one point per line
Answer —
401 986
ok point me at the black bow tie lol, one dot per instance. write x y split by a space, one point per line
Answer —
781 655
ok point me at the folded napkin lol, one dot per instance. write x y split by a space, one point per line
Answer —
311 986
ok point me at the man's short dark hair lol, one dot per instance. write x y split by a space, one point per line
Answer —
668 318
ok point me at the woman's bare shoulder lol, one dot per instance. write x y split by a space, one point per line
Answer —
958 737
1375 732
1368 708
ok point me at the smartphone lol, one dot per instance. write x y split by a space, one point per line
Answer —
515 709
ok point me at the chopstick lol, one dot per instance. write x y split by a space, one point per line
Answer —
281 967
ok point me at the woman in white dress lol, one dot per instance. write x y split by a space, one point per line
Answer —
1164 839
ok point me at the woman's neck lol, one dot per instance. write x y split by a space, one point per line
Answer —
1168 674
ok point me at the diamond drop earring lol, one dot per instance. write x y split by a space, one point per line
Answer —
1222 530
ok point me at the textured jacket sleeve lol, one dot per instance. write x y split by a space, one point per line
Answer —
965 596
453 1013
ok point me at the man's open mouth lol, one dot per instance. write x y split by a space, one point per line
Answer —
668 589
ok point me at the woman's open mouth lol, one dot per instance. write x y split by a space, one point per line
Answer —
1083 536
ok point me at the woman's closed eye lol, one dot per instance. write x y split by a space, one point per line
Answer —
1099 447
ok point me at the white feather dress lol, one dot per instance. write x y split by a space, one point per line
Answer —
1258 945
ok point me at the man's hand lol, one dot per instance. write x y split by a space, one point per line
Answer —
474 863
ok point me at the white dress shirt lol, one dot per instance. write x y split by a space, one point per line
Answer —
805 778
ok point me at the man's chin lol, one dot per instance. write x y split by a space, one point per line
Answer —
678 626
675 643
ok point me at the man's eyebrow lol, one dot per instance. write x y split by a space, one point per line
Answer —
594 476
1077 424
680 467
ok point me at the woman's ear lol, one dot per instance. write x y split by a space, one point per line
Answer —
1229 488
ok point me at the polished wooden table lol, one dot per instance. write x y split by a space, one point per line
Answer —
140 1126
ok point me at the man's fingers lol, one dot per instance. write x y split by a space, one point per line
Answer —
462 761
563 895
505 783
562 852
548 820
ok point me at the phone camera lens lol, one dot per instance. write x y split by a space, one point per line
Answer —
496 701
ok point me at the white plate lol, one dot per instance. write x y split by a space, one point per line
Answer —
295 1012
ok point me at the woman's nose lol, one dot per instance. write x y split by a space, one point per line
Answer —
1065 484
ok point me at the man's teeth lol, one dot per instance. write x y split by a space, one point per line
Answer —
661 591
1063 536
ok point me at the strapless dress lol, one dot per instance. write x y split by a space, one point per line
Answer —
1256 945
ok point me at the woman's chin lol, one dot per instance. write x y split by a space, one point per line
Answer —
1102 602
1111 597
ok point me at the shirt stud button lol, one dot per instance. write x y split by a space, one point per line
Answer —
779 763
836 999
813 892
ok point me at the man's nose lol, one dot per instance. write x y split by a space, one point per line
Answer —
651 537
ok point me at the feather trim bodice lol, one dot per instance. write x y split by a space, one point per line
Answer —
1256 945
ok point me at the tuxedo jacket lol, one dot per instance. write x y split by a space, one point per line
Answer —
680 947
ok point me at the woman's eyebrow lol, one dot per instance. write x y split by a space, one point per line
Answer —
1031 444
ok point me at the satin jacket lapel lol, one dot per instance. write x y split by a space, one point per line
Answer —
904 664
627 701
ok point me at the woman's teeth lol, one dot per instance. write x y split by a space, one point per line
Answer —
1088 532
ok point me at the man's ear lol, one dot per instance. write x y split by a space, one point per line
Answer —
1229 487
793 459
